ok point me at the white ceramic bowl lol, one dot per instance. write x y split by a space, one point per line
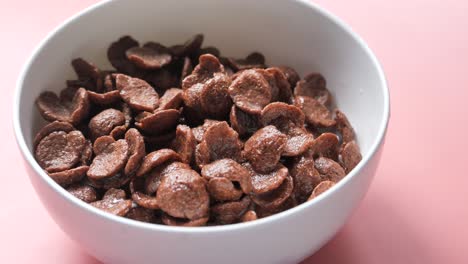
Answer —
295 33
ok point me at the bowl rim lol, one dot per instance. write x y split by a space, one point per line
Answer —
28 156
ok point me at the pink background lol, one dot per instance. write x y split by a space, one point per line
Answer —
416 210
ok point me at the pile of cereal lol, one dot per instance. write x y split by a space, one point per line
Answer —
185 137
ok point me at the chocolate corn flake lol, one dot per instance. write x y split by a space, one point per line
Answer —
250 91
114 202
150 56
314 85
321 188
74 110
137 93
253 60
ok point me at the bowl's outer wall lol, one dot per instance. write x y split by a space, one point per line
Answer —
287 32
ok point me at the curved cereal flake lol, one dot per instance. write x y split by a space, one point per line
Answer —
305 176
52 108
299 141
60 150
117 57
282 116
159 122
263 183
106 98
182 194
325 145
205 91
79 106
329 169
208 66
118 180
145 200
344 127
114 193
191 46
85 70
290 121
314 85
281 84
67 177
173 166
51 127
270 78
222 189
184 143
83 192
136 148
103 123
230 212
137 93
153 178
202 154
114 203
101 143
119 131
291 75
253 60
109 161
231 170
140 197
192 103
142 115
264 212
223 142
207 50
250 91
275 197
150 57
141 214
242 122
87 153
316 113
350 155
214 97
156 158
321 188
199 131
263 150
171 99
172 221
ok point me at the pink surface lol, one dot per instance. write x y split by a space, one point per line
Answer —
416 209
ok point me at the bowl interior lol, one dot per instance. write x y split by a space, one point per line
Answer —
286 32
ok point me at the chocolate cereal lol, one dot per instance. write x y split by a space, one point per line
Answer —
183 136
